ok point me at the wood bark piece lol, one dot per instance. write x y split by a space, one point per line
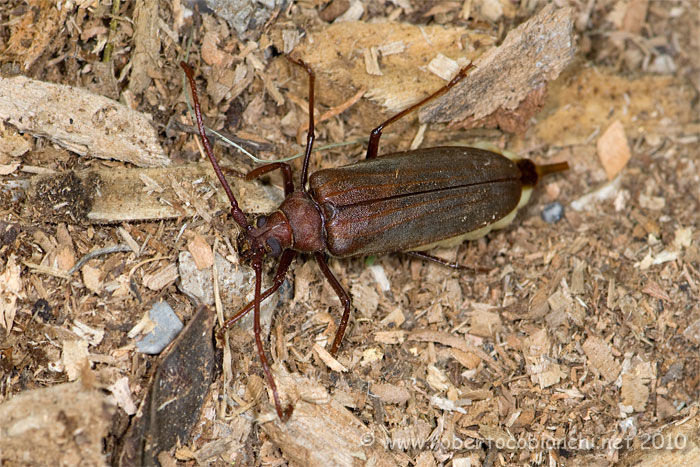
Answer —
108 195
534 53
78 120
321 431
146 45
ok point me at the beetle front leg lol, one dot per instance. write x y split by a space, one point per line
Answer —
285 262
342 295
262 170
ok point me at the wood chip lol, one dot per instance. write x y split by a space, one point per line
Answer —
484 323
468 360
161 278
654 289
443 67
202 253
74 357
122 395
601 358
145 41
613 149
457 342
324 432
10 291
395 318
390 337
390 393
437 379
328 359
102 192
372 61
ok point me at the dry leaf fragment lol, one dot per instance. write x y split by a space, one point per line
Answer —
613 149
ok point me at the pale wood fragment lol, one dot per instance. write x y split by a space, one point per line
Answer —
78 120
613 149
601 358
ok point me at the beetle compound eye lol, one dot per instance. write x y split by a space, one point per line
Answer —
275 248
261 221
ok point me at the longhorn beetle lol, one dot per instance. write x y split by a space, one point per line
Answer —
406 201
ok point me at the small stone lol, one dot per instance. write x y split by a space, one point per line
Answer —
168 326
553 212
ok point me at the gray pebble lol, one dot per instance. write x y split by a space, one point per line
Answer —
168 326
553 212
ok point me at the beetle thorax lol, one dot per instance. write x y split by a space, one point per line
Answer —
306 221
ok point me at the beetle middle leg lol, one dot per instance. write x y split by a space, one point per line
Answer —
373 146
344 299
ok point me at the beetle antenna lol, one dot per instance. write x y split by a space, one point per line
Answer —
310 136
286 413
236 212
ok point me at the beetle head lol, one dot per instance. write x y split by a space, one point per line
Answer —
270 236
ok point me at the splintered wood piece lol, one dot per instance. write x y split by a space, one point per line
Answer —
321 431
80 121
534 53
97 196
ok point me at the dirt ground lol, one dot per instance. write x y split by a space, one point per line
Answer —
577 345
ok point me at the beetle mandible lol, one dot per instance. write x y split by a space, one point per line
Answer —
406 201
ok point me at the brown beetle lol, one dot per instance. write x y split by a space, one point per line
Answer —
405 201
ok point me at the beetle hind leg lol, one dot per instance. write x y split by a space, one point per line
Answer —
444 262
344 299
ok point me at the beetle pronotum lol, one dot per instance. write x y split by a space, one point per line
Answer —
405 201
